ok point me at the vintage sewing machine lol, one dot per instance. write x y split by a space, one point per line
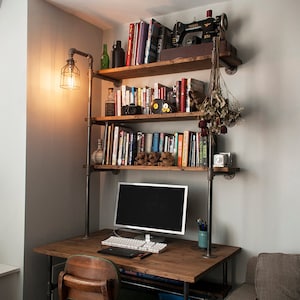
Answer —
199 31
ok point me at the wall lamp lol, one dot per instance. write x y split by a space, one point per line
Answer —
70 79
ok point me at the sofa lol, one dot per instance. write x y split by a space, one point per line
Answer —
270 276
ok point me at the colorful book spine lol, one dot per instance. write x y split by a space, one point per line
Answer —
155 142
185 148
130 44
179 149
141 44
183 94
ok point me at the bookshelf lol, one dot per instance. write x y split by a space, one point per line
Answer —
228 59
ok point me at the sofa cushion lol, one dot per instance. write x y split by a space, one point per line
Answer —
278 276
245 291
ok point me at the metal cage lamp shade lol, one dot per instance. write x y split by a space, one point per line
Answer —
70 76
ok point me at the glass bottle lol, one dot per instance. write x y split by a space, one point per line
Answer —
97 155
118 55
110 103
104 58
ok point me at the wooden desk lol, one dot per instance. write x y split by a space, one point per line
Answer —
182 260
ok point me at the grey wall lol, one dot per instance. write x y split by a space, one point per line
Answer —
258 209
56 136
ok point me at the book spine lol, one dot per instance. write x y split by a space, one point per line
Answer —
130 44
118 102
155 142
135 42
144 26
183 94
115 146
120 147
108 145
105 144
179 149
148 142
185 148
161 142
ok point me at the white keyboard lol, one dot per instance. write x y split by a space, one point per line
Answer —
130 243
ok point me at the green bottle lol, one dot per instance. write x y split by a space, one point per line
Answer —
104 58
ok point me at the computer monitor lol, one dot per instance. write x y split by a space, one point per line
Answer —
151 207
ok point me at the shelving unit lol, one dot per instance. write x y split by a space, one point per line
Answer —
228 59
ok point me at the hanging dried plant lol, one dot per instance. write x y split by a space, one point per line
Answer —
220 112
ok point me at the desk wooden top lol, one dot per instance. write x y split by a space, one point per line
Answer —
182 260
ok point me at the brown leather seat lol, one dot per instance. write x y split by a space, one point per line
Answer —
88 278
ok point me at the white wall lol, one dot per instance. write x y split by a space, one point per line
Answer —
13 35
258 209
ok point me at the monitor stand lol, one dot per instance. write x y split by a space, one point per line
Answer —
150 238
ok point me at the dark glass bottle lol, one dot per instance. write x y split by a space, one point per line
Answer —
104 58
118 55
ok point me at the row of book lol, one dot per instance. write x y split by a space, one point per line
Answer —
121 146
183 95
145 42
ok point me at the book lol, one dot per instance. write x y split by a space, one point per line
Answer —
179 149
177 92
192 150
195 92
135 41
118 102
183 94
140 140
161 142
185 148
120 147
105 143
132 148
130 44
115 146
203 151
148 142
141 43
125 94
108 145
152 41
164 40
155 142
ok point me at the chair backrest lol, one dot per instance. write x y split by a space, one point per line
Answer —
88 278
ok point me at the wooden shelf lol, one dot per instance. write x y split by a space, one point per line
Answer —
228 58
181 116
217 170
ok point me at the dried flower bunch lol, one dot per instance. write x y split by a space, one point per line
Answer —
220 113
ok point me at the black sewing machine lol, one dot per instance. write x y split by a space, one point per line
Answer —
199 31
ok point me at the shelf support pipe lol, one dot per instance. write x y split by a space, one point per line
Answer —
91 75
210 177
72 52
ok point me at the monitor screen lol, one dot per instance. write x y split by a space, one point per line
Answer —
151 207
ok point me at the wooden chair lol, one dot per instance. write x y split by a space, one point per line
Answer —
88 278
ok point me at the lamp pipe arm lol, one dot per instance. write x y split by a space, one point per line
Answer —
73 51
